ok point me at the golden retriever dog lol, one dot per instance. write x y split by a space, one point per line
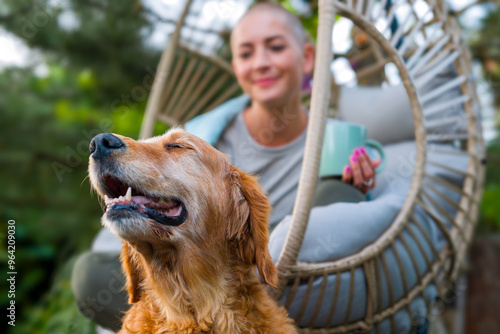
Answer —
194 228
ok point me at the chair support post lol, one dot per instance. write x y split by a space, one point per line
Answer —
163 72
314 143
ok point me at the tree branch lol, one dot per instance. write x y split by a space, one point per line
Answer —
21 11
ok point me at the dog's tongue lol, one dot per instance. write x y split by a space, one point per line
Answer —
141 199
174 212
168 208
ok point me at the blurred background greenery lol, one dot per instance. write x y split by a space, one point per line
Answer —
79 82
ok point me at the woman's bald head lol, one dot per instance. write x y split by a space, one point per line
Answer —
290 20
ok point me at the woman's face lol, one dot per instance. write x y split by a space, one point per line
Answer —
268 61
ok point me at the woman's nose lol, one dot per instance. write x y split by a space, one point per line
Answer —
261 60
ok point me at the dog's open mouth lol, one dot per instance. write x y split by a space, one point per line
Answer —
120 196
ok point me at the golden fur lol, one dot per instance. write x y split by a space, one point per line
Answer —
198 277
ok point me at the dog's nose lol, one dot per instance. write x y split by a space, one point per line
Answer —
103 144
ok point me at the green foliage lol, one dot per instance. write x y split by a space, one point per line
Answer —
104 36
485 48
57 311
44 161
310 21
99 74
44 155
489 220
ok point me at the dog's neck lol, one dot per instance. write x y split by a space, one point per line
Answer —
198 288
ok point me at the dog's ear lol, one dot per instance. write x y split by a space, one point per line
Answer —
133 273
249 226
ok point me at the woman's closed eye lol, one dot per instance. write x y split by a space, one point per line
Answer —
245 54
277 47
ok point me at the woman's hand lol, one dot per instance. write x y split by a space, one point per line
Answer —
361 170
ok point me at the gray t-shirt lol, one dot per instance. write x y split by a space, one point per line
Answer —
278 168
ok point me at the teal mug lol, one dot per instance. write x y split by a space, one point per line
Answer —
341 138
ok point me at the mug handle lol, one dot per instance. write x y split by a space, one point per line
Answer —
376 145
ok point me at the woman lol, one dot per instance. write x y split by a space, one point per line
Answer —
270 59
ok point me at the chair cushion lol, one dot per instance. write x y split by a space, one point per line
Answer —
384 111
387 115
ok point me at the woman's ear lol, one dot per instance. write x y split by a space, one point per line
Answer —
133 273
308 58
249 226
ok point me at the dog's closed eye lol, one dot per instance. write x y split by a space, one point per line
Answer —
170 146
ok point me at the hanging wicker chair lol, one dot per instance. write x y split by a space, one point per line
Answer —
422 40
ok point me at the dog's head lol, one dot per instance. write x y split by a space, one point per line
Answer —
175 192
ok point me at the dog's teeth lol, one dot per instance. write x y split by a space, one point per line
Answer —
121 198
128 196
107 200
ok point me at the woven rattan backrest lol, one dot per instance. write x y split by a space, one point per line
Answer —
195 73
197 83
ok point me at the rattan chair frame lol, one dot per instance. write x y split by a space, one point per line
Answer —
417 65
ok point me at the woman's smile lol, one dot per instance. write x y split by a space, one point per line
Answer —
264 82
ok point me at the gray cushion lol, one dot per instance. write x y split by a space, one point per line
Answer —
105 241
387 115
384 111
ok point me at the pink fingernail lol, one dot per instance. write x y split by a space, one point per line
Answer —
353 157
356 151
348 169
363 150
